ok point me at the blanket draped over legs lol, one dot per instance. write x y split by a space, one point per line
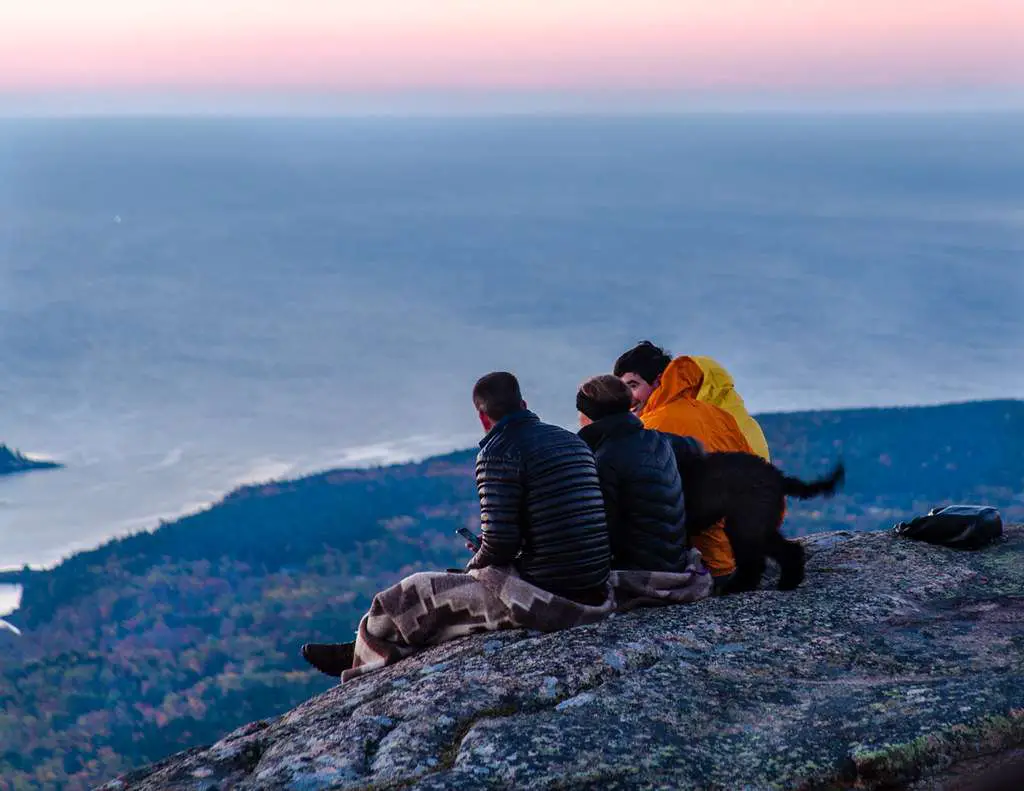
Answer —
433 607
634 589
429 608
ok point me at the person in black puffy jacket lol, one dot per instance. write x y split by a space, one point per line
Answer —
643 493
541 509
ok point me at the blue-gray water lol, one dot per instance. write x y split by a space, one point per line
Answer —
187 305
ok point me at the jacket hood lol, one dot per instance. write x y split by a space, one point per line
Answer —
719 389
682 378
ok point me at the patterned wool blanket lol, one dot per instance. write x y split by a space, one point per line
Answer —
634 589
433 607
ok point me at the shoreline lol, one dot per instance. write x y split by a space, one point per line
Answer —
16 462
10 598
385 455
381 455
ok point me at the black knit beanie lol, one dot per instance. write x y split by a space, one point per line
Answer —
595 411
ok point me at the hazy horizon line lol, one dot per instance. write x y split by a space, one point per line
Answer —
316 103
469 113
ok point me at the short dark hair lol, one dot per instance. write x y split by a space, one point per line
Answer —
497 395
646 360
603 396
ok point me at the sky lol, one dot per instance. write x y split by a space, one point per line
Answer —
173 52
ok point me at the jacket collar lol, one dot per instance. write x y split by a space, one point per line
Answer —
610 427
523 415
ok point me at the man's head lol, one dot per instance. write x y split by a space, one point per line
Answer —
602 396
497 396
640 369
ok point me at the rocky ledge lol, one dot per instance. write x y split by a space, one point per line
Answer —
896 663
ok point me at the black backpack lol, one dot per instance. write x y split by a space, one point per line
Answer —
957 526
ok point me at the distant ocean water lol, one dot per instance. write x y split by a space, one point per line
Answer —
188 305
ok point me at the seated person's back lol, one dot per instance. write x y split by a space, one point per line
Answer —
541 509
642 490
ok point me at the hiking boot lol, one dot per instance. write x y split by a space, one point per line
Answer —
330 658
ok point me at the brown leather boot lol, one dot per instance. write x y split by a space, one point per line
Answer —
330 658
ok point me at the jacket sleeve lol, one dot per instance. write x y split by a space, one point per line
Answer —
613 494
500 487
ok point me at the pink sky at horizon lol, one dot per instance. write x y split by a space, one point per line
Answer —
509 45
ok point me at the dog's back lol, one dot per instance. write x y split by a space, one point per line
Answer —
749 494
720 485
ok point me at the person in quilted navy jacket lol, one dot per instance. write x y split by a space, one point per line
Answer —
643 493
541 509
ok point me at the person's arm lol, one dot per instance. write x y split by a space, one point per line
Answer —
500 488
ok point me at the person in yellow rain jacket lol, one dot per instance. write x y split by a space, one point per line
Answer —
718 389
693 396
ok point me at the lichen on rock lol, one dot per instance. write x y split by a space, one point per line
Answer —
895 661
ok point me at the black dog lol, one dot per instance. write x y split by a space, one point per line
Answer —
749 493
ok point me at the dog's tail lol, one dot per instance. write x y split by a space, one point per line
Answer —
804 490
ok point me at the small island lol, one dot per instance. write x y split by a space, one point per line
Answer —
11 462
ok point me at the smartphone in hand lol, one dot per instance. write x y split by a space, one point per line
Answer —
471 537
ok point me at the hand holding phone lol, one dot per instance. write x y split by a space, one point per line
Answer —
472 540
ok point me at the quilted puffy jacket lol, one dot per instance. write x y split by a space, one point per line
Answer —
541 509
643 494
